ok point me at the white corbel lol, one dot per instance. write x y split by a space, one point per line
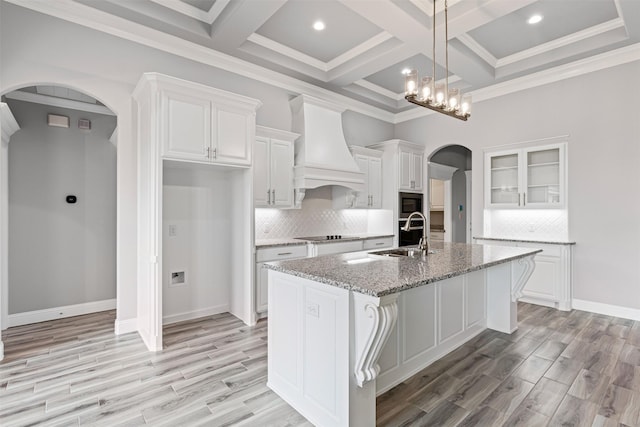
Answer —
374 319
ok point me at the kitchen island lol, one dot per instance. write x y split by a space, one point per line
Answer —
345 328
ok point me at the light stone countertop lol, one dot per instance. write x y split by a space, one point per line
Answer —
267 243
505 239
377 275
289 241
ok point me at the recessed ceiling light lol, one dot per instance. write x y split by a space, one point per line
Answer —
534 19
318 25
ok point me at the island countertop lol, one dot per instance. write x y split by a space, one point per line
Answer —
378 275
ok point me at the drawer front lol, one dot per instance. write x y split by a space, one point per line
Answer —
338 248
385 242
278 253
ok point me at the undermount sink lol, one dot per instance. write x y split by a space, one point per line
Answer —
398 252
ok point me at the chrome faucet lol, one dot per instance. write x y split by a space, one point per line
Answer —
423 245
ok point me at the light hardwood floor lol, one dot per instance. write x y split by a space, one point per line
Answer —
572 369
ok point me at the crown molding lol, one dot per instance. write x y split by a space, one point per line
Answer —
87 16
599 62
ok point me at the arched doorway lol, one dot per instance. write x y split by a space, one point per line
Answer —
449 174
58 203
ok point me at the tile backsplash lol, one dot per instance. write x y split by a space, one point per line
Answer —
315 218
539 224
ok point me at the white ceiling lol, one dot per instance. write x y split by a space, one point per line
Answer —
367 43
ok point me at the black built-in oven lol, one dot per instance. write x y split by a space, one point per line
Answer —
410 238
409 202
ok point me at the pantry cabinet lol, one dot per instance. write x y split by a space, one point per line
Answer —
204 124
526 178
273 168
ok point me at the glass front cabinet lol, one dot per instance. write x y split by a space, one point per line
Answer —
531 177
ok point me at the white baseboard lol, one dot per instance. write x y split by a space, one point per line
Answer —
1 350
125 326
607 309
209 311
46 314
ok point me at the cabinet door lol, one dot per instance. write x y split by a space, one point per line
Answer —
417 171
281 172
187 127
262 281
362 198
544 177
261 186
502 179
544 281
375 182
405 170
234 129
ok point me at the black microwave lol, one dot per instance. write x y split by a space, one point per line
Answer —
409 202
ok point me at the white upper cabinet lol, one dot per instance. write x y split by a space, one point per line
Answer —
370 164
273 168
204 124
411 166
527 178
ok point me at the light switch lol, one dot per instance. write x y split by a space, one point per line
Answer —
172 230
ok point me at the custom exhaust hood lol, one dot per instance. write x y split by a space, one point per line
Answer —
321 153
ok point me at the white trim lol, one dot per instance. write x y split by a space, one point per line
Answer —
210 311
478 49
46 314
125 326
193 12
114 137
561 42
379 89
273 45
607 309
59 102
369 44
1 350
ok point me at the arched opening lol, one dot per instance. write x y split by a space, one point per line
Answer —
449 176
58 205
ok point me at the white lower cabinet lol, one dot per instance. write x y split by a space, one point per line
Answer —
277 253
551 283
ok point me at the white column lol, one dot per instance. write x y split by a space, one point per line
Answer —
8 126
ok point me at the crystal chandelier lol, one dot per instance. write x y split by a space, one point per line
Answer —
437 96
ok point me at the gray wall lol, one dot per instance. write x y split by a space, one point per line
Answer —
457 157
600 114
60 254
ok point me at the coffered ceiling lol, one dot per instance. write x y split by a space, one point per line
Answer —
366 44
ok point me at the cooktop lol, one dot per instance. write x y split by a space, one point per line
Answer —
322 238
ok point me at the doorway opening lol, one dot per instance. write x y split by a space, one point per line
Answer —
58 202
449 174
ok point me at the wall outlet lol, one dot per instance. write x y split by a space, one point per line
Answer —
177 278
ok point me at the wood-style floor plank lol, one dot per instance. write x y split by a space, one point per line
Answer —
559 368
